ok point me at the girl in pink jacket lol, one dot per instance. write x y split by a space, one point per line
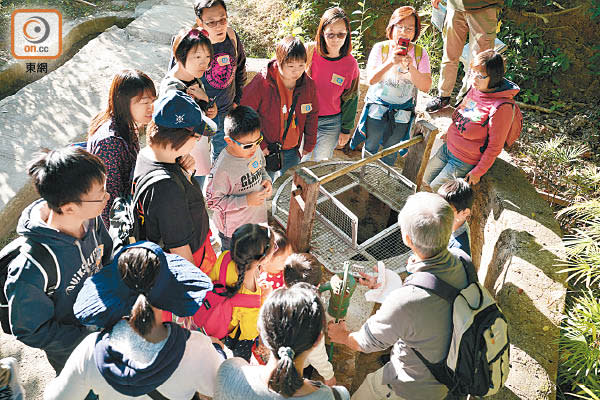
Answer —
480 125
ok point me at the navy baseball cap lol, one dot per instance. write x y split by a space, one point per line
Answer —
177 109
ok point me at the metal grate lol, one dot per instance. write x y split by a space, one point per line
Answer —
335 230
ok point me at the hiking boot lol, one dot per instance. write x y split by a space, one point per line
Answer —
437 103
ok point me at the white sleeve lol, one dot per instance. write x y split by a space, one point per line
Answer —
320 361
209 362
72 382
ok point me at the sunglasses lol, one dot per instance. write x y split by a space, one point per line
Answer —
213 24
104 196
340 35
479 76
248 146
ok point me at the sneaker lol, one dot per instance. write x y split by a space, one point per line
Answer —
437 103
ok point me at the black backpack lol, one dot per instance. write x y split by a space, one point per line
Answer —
126 216
478 359
40 255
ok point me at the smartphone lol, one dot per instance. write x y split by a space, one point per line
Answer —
403 47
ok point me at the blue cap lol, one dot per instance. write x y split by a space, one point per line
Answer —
177 109
180 288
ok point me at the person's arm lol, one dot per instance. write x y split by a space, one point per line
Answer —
240 72
31 311
312 121
183 251
339 333
72 382
207 365
422 80
376 68
112 152
349 107
498 127
320 361
218 193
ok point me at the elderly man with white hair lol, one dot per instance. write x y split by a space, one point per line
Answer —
410 317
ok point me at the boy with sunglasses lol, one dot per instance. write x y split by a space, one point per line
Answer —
238 184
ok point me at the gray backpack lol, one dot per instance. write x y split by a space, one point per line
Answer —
478 359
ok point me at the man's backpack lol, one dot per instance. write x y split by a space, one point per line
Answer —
41 256
126 218
214 316
478 359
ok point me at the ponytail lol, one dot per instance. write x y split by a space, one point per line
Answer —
285 378
291 321
142 315
249 243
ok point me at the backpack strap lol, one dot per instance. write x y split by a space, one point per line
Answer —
45 260
336 394
222 279
487 120
156 395
418 54
437 286
385 50
233 38
246 300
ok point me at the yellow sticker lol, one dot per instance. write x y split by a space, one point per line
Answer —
223 60
306 108
337 79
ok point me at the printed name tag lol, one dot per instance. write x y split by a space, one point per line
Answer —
254 164
337 79
306 108
223 60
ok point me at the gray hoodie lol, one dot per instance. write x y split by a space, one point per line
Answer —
47 322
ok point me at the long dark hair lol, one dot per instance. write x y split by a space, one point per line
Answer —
139 268
125 85
290 322
249 243
330 16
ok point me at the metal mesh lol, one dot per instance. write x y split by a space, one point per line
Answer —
334 236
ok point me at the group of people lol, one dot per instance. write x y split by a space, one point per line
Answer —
123 322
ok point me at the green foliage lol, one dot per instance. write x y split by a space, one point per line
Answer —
530 59
361 20
555 160
582 259
580 344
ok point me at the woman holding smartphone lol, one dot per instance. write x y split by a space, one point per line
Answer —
396 70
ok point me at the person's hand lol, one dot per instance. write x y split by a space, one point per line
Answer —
196 92
188 163
217 341
212 112
396 59
343 139
369 281
268 187
337 331
304 152
472 179
330 382
234 106
266 151
256 198
435 3
406 62
444 137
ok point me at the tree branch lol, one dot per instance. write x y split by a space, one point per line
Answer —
544 17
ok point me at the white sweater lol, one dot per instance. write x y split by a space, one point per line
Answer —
320 361
197 372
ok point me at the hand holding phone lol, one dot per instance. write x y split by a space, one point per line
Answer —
402 47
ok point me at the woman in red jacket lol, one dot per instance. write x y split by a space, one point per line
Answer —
480 125
283 87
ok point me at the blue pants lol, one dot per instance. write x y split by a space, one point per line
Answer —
328 133
385 133
443 167
289 159
218 140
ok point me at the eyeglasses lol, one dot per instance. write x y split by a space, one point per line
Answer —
479 76
104 197
213 24
248 146
340 35
408 29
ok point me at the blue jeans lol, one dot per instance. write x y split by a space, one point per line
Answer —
443 167
385 133
218 140
289 159
328 133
